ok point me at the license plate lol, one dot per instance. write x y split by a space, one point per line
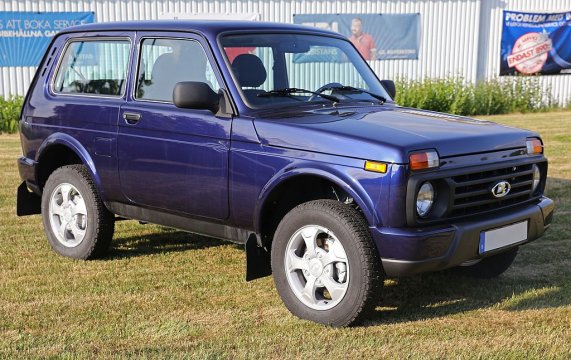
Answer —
504 236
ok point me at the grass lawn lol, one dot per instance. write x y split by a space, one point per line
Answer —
165 293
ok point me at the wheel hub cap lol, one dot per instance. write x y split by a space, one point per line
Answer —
315 267
68 215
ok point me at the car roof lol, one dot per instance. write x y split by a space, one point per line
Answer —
207 27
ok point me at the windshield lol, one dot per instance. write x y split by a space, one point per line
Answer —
292 69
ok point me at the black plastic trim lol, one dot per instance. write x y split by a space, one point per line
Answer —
202 227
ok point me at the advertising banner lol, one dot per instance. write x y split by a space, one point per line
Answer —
536 43
24 36
376 36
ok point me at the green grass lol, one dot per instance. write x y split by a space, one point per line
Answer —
165 294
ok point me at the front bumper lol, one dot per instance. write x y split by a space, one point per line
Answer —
406 251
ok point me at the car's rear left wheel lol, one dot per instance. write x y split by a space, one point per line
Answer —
76 222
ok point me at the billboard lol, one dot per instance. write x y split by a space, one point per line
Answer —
535 43
376 36
24 36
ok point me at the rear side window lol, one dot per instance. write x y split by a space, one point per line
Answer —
93 67
165 62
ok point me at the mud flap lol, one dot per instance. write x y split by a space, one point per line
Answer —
258 259
27 202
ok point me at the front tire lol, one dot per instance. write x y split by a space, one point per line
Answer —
75 220
489 267
325 265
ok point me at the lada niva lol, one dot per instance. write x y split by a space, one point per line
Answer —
279 137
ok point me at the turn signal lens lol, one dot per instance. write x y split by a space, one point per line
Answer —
424 160
375 166
534 146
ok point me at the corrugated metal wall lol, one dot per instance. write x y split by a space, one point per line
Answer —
458 37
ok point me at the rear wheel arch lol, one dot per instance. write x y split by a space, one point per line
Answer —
60 150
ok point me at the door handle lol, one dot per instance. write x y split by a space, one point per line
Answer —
131 118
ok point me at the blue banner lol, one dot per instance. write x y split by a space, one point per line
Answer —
536 43
376 36
24 36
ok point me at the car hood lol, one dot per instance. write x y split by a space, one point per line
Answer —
388 133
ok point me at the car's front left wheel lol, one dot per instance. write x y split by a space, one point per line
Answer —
325 265
76 222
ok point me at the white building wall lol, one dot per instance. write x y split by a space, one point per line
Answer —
458 37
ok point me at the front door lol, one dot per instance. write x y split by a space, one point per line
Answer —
169 158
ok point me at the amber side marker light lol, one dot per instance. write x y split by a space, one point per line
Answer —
534 146
375 166
423 160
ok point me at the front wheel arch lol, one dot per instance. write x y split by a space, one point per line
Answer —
274 186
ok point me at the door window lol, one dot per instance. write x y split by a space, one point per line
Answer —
165 62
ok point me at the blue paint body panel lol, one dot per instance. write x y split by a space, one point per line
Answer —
222 169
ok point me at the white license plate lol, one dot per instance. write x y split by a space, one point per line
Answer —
504 236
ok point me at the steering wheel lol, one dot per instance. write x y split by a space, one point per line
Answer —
322 89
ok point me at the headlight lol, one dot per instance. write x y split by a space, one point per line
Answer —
424 199
536 178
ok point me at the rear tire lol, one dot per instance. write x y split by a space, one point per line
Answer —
490 267
335 275
76 222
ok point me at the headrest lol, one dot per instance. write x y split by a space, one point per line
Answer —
162 66
249 70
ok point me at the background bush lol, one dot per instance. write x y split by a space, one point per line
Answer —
455 96
9 113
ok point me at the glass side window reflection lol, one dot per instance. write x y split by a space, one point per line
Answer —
165 62
93 68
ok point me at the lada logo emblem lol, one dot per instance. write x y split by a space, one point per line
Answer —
501 189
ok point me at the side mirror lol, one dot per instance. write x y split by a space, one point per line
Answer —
195 95
389 85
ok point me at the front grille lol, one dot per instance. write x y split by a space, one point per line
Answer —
471 193
465 192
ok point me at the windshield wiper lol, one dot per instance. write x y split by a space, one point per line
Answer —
354 89
291 91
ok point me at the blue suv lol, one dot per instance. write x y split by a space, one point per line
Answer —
279 137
